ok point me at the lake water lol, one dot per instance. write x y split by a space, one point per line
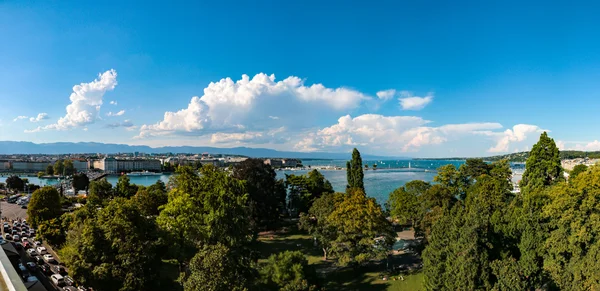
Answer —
379 183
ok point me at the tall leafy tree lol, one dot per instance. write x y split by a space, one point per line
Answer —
578 169
80 181
218 267
288 271
59 168
69 168
305 189
363 232
405 202
117 249
317 223
150 199
124 188
15 183
50 170
44 205
354 172
99 192
543 167
266 193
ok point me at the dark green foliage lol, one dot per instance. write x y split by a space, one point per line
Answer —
99 192
317 223
219 268
43 206
266 193
543 165
305 189
354 172
150 199
578 169
288 271
80 181
50 170
59 168
405 202
52 232
68 167
116 249
15 183
124 188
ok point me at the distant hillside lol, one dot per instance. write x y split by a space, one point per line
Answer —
20 147
521 157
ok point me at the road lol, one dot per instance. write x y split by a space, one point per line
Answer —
12 211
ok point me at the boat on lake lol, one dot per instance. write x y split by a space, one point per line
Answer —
144 173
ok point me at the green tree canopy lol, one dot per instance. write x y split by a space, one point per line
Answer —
99 192
316 221
305 189
405 202
219 268
44 205
124 188
50 170
578 169
59 168
150 199
116 249
543 166
354 172
15 183
80 181
288 271
266 193
69 168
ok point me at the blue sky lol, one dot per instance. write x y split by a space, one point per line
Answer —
475 78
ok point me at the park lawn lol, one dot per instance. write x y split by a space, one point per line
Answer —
365 278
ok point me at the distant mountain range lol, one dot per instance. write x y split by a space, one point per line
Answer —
521 157
21 147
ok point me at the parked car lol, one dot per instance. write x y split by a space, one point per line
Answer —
45 268
42 250
31 279
37 243
23 233
58 279
7 228
26 244
13 232
69 281
58 269
31 266
31 252
38 260
16 237
7 237
49 259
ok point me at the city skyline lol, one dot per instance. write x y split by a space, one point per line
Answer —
391 80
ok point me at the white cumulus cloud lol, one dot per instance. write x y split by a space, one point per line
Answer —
249 104
20 117
39 117
386 94
387 133
86 101
116 113
518 133
410 102
127 124
113 102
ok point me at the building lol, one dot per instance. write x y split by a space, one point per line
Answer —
112 165
275 163
291 163
214 162
81 166
4 165
26 166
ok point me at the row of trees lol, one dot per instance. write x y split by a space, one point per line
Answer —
479 235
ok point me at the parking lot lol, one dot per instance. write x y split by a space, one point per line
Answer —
12 211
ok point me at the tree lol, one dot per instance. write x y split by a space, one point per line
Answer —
210 209
68 167
52 231
573 246
99 192
266 194
218 267
578 169
354 172
363 232
14 183
80 181
150 199
59 168
317 223
305 189
50 170
288 271
543 167
43 206
374 166
116 249
405 202
124 188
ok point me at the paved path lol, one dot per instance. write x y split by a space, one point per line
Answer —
12 211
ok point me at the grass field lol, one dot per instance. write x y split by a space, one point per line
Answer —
365 278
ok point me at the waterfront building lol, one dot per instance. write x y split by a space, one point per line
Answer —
81 166
4 165
112 165
29 166
275 163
